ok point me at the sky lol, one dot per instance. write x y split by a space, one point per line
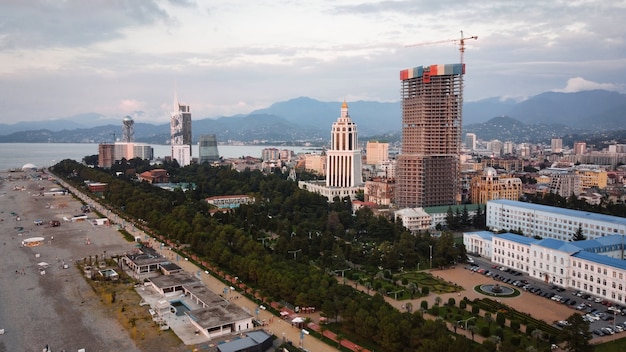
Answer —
60 58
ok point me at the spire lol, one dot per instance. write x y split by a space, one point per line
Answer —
344 109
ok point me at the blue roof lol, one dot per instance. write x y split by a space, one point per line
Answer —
601 259
558 245
517 238
486 235
562 211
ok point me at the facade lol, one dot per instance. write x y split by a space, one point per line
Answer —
594 267
343 159
344 176
478 243
470 141
207 149
376 152
490 186
550 222
556 145
315 163
180 131
106 155
379 191
580 148
509 165
428 163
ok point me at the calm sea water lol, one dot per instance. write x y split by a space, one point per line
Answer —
15 155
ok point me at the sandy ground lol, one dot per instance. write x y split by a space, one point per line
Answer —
58 308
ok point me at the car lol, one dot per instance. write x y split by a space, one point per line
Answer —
592 317
597 332
598 300
619 328
572 303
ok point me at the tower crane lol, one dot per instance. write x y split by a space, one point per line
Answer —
461 42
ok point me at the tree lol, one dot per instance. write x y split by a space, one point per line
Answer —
488 319
576 334
578 235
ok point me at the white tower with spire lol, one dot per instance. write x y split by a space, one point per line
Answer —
180 129
343 159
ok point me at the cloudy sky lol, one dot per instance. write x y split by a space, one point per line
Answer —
60 58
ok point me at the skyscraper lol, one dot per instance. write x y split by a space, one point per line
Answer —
180 129
428 163
344 176
207 152
343 159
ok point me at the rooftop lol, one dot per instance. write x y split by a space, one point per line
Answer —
561 211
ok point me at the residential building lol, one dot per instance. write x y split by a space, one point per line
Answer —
414 219
376 152
428 163
380 191
470 141
315 163
556 145
550 222
490 186
580 148
180 130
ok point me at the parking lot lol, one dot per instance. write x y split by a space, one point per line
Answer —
604 317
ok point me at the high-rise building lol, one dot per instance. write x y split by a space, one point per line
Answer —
470 141
490 186
428 163
207 149
556 145
128 130
343 159
344 176
580 148
376 152
180 129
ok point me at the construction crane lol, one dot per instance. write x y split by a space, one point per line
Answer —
461 42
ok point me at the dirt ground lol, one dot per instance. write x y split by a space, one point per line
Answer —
51 304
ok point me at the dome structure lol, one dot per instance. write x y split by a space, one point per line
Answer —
29 166
490 172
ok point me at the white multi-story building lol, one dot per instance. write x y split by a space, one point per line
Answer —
344 175
180 131
414 219
550 222
478 243
595 267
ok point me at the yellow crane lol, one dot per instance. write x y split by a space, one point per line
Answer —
461 42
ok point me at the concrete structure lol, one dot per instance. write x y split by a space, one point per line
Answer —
595 267
207 149
376 152
428 163
550 222
580 148
556 145
180 131
344 176
414 219
470 141
315 163
108 154
478 243
490 186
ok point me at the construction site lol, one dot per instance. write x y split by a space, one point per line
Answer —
432 101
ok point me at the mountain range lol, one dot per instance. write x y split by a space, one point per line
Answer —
536 119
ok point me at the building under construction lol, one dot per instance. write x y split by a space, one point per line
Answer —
428 163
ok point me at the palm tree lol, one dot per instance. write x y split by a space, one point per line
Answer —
409 307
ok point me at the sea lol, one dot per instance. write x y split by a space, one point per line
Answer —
16 155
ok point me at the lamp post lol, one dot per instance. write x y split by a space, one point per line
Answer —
431 255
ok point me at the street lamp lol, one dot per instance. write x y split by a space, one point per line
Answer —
431 255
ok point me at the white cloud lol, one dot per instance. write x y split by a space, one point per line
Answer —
579 84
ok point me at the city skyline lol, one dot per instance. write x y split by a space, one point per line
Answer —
125 58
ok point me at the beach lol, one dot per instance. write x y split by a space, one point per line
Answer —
44 301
